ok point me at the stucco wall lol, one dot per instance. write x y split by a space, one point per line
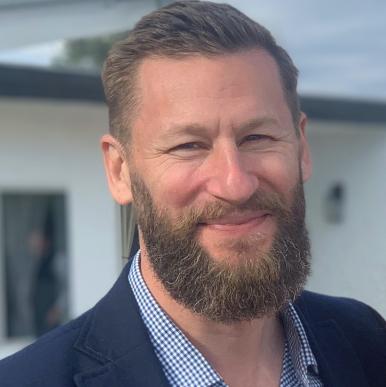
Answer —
349 258
53 146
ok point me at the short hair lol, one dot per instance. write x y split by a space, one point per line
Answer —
183 29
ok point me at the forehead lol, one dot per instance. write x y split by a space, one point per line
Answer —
164 73
203 88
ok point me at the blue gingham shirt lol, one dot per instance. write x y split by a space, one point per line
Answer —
185 366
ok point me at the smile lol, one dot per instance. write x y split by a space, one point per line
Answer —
238 222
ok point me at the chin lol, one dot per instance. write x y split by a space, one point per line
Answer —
234 252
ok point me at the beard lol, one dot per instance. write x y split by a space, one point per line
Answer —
245 283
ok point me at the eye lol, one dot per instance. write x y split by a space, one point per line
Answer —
188 149
255 138
188 146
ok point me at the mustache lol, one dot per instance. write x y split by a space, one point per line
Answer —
259 201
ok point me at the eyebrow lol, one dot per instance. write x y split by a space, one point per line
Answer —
198 129
256 123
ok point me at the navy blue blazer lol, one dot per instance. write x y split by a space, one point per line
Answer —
108 346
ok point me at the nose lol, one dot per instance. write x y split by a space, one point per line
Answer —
231 176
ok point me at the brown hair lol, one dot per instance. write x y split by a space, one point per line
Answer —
181 29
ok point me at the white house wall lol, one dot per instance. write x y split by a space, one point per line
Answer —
349 259
54 146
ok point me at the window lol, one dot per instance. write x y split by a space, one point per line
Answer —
34 243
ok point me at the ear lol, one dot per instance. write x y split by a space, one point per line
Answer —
117 169
305 153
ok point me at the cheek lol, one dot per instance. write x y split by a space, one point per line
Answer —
280 173
175 187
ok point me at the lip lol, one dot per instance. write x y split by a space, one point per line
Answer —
237 222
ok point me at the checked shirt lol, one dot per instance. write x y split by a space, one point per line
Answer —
185 366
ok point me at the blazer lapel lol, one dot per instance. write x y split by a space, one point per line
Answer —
115 337
337 361
135 369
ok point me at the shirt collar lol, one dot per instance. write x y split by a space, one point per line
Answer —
173 348
299 348
170 345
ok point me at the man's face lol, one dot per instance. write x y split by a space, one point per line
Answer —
216 171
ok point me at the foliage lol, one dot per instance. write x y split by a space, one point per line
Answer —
87 53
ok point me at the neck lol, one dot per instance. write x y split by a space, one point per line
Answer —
241 352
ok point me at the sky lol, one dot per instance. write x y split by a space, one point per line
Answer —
339 47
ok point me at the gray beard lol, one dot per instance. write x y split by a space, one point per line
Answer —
259 284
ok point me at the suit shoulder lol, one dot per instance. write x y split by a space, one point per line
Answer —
359 325
344 310
50 356
364 327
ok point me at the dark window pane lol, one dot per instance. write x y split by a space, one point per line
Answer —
35 261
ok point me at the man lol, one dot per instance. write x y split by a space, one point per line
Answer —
208 142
